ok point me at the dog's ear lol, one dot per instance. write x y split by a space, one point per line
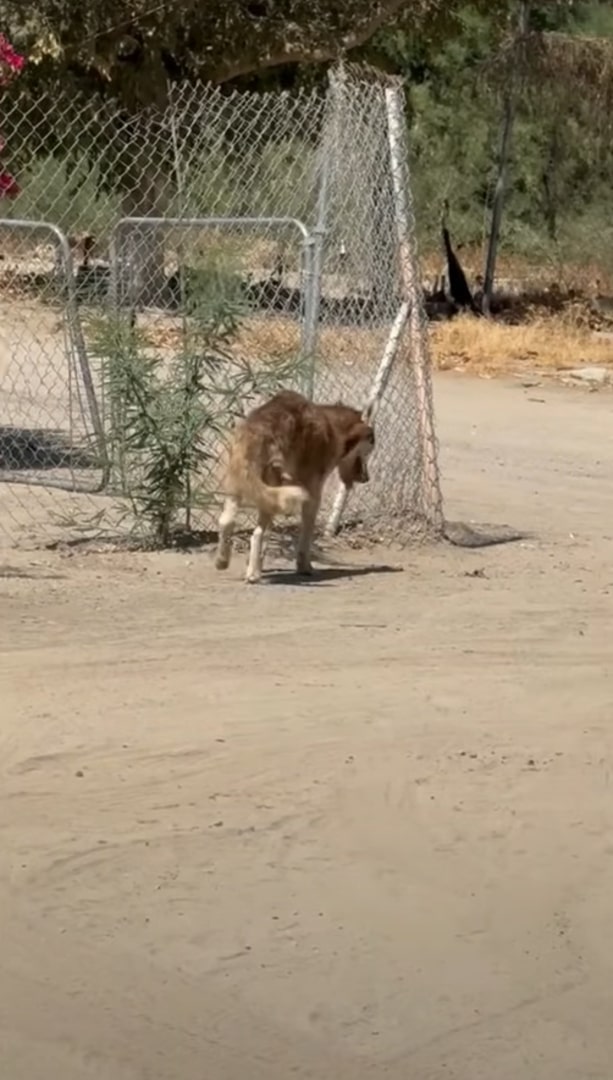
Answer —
360 432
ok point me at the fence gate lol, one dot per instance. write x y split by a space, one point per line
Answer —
51 438
271 259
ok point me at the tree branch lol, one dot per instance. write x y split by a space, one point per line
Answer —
310 53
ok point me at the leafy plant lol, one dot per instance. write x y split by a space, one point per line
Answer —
166 420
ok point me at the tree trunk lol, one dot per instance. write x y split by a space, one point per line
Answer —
550 200
143 247
510 102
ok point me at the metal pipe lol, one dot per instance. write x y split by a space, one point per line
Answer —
370 409
74 323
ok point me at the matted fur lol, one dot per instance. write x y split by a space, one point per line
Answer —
278 462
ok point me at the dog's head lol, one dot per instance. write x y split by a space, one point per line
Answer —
359 445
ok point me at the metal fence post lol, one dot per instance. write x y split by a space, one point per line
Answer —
310 312
370 409
314 255
411 286
76 333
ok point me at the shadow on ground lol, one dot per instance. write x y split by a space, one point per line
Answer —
325 575
38 448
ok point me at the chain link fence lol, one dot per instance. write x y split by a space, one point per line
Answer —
278 226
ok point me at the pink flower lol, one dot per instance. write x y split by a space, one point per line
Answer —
13 60
9 188
11 63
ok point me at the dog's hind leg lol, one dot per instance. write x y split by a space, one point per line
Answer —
226 528
305 536
255 563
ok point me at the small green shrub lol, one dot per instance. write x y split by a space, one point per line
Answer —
166 419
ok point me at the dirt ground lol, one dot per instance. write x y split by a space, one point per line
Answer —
357 828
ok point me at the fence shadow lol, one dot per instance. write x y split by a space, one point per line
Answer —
473 535
28 449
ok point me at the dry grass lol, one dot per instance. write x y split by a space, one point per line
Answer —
544 343
588 277
278 338
268 338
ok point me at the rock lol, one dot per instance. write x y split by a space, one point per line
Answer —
597 376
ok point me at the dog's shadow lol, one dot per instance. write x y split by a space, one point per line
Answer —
325 575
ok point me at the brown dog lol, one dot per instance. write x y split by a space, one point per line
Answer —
279 459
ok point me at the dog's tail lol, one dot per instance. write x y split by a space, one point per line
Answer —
287 499
245 477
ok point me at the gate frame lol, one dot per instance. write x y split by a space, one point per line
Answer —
309 315
75 335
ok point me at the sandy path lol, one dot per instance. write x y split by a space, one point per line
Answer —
359 829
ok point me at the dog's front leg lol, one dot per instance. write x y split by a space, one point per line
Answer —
226 529
255 563
305 536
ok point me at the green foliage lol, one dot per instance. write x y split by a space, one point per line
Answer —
63 191
453 122
166 418
130 49
592 19
562 151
